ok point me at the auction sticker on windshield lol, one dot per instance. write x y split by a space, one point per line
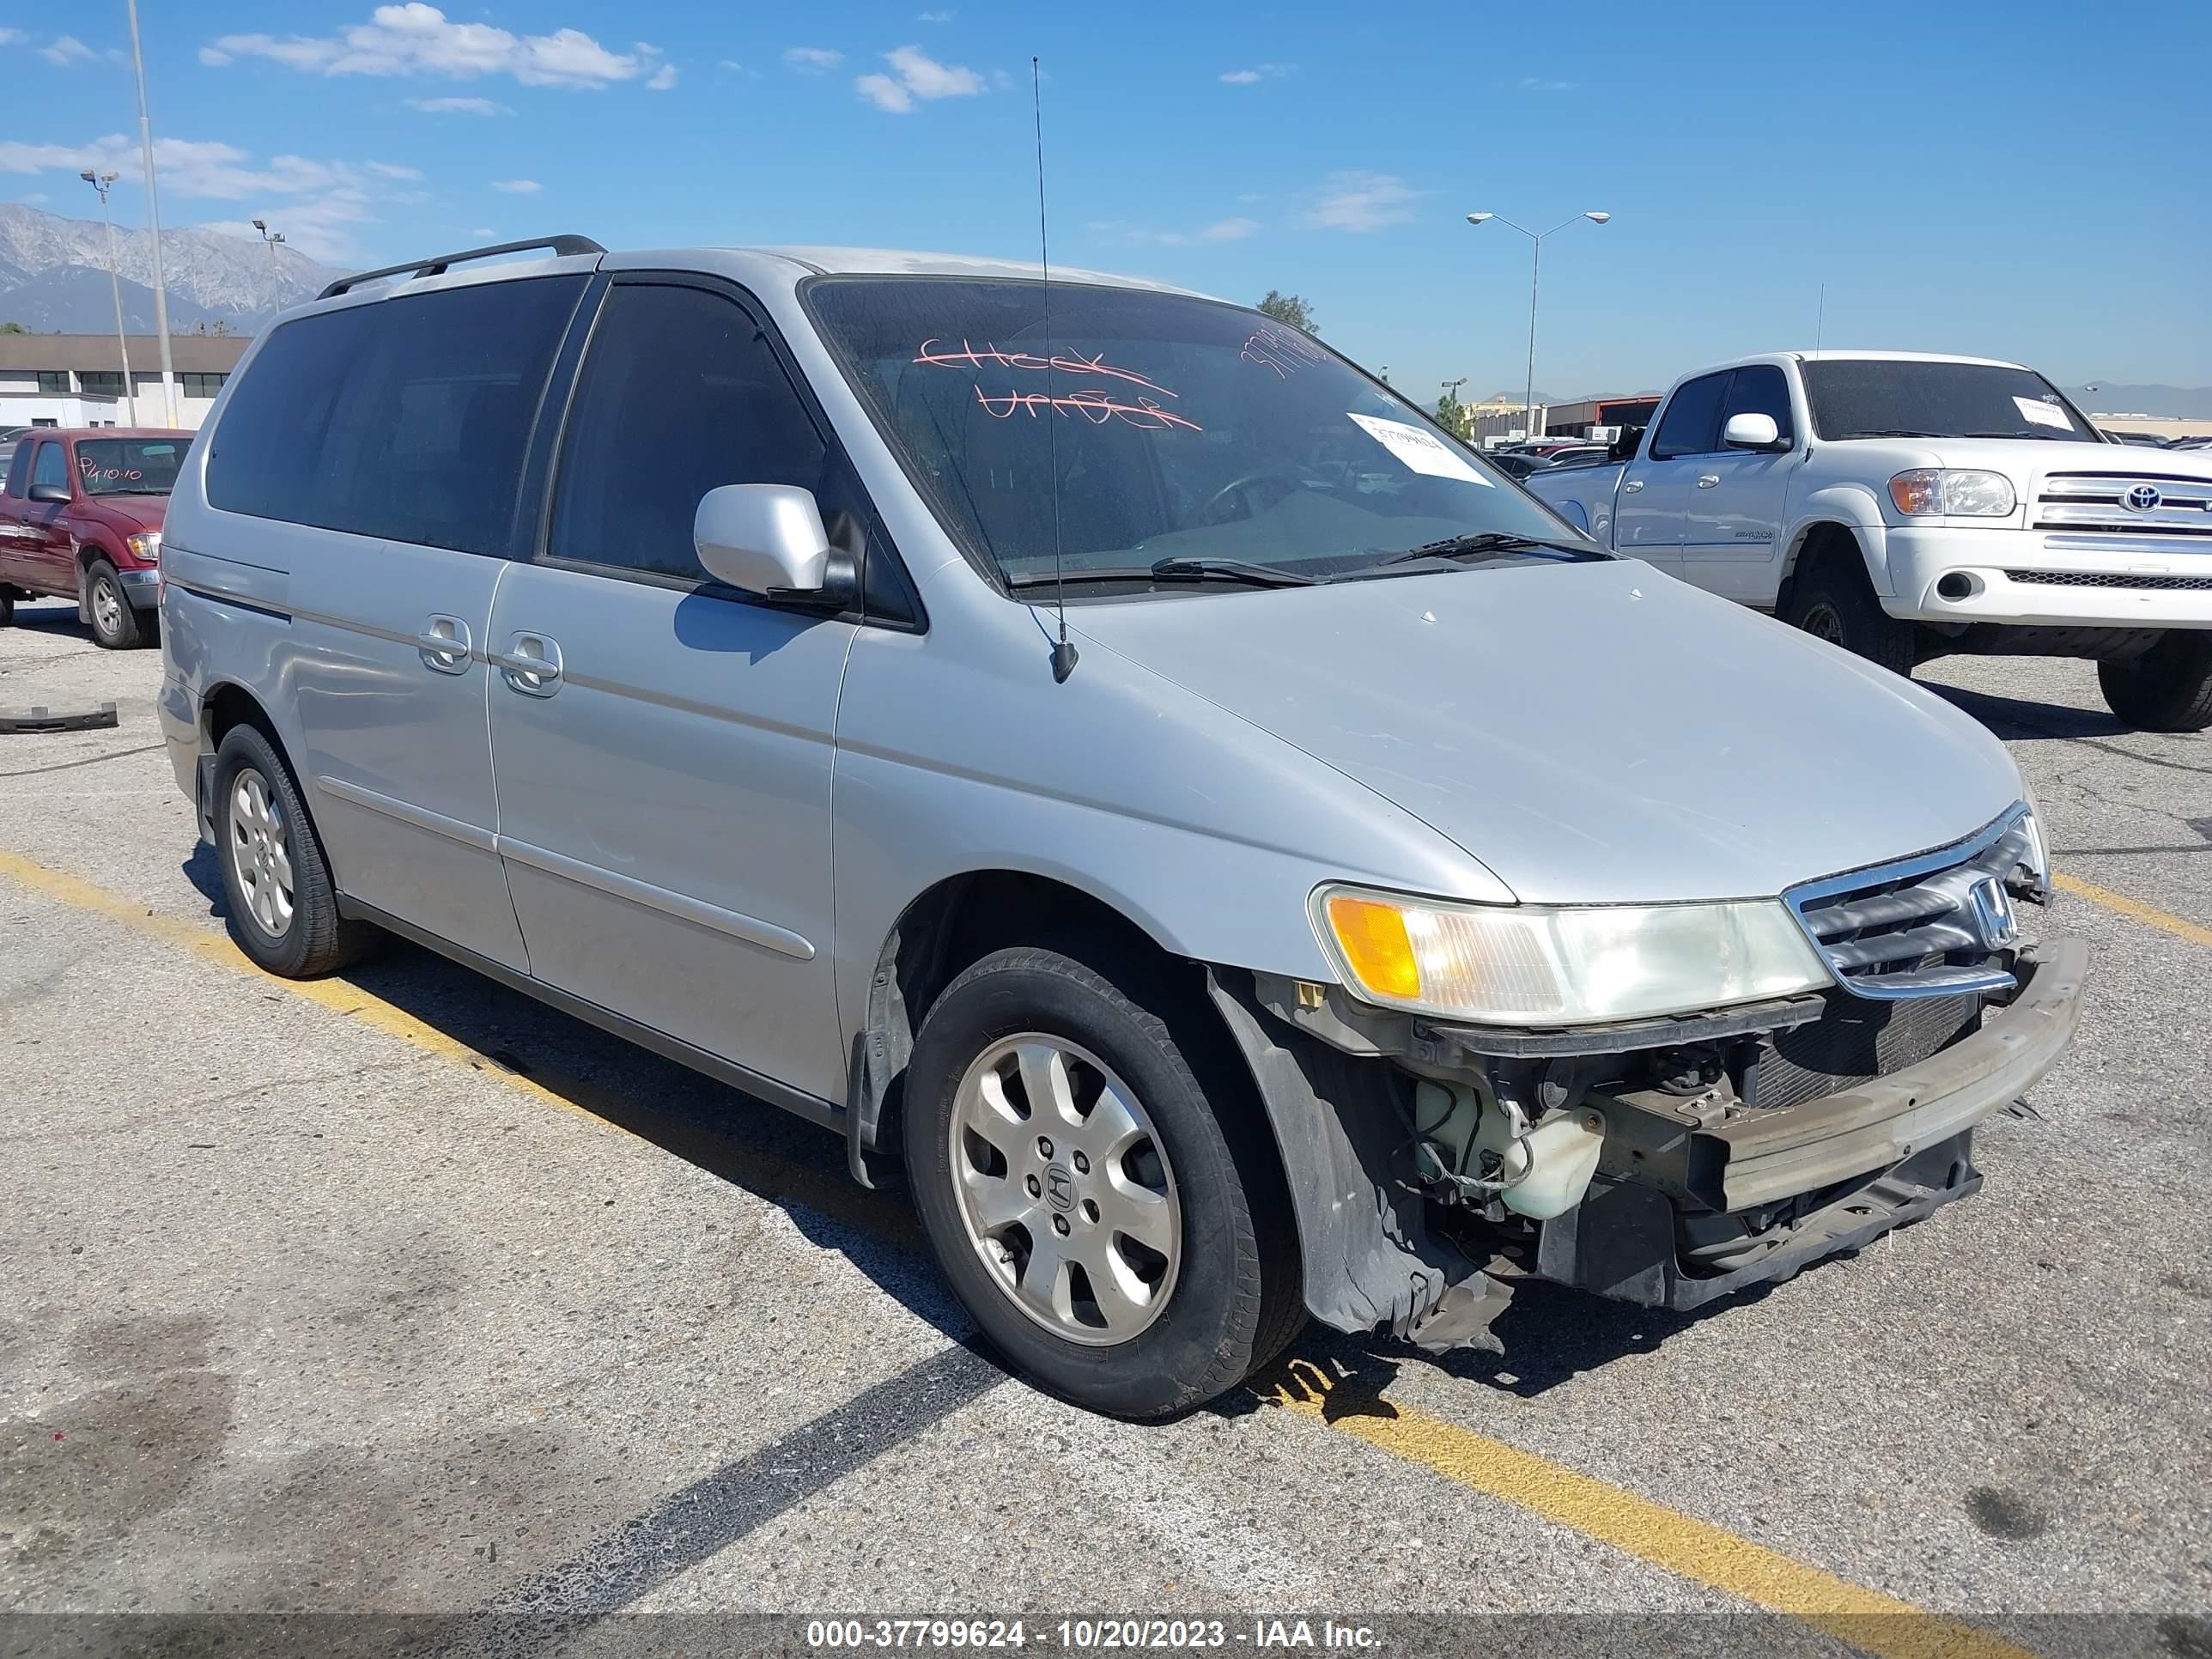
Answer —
1419 450
2042 414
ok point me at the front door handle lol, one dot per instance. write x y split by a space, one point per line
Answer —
444 644
1631 486
1707 480
530 665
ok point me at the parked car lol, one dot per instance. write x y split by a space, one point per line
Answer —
1514 463
81 519
1907 507
1118 765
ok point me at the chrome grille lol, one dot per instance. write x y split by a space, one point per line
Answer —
1913 928
2085 579
2098 500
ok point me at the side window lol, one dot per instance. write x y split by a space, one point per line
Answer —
679 393
1762 389
1693 419
51 467
19 469
405 418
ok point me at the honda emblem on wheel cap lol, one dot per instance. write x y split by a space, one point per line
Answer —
1059 1188
1991 907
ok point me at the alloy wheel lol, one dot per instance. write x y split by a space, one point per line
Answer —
1065 1189
107 608
260 852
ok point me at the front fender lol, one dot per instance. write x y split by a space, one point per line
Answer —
1854 507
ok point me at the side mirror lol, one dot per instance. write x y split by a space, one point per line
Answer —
1750 431
767 539
57 495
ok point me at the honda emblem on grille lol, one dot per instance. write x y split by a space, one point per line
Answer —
2142 498
1990 908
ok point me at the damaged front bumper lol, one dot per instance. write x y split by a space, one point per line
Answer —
1699 1191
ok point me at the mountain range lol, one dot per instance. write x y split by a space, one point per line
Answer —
53 276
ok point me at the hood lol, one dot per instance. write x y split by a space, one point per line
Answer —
131 513
2029 457
1597 733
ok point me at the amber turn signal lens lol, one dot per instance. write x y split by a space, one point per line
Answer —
1373 939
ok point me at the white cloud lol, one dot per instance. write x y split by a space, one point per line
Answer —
812 60
1245 77
415 39
1537 84
9 37
458 107
1221 230
484 230
663 78
1362 202
518 186
918 75
37 198
316 203
66 51
934 17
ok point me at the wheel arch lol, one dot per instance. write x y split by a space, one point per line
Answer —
1817 538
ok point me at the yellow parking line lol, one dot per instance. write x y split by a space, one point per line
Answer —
2135 910
1682 1544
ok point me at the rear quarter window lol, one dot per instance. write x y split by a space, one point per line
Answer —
406 419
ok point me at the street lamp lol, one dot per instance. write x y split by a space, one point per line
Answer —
153 226
1535 270
272 239
101 182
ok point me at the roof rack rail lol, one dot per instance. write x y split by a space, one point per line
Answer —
561 247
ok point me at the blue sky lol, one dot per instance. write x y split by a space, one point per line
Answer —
2027 180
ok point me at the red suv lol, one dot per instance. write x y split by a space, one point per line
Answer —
82 519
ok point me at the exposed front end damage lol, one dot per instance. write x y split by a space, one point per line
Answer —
1665 1163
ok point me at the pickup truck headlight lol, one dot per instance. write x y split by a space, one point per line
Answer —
1530 964
146 545
1953 491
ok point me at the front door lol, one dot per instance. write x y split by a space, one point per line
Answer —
1731 545
663 743
1650 517
49 549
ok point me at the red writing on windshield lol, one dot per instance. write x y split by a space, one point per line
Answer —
1287 354
970 356
1095 406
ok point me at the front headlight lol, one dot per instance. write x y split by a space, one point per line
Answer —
1954 491
1530 964
2038 858
147 545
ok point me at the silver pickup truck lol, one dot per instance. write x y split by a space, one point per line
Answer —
1908 507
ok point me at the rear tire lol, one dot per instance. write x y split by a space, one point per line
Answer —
114 620
1200 1286
282 910
2167 689
1832 600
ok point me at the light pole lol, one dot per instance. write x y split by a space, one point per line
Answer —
1535 271
1449 388
272 239
101 182
154 227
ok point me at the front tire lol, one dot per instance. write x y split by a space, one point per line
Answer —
115 622
1832 600
1112 1224
2167 689
282 909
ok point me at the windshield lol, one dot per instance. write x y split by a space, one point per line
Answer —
129 466
1887 397
1181 430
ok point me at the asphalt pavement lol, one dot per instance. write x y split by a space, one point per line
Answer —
400 1294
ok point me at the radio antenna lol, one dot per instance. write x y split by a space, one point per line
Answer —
1063 653
1820 322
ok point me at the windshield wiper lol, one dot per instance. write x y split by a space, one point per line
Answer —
1489 541
2052 437
1237 571
1890 432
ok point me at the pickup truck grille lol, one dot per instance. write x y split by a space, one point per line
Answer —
2090 579
1856 1041
2099 502
1915 928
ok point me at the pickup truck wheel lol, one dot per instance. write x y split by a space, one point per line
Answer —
282 910
2167 689
1832 600
114 622
1092 1203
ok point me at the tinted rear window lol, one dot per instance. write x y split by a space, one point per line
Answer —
407 419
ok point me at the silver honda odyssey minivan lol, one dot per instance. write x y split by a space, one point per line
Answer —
1230 851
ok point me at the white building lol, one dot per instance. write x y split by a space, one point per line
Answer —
76 379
